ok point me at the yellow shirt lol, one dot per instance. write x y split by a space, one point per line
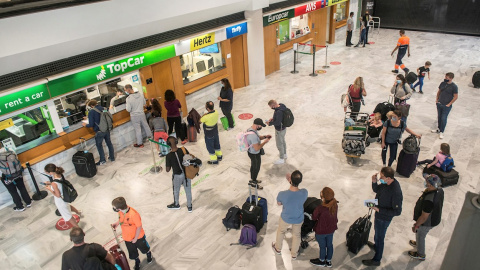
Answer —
210 119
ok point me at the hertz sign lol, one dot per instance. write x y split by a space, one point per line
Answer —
202 41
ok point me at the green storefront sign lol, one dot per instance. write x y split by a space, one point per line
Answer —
107 71
278 17
24 98
334 2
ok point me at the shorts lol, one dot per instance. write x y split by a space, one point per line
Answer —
160 135
141 244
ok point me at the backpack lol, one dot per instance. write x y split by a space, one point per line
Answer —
411 145
233 218
106 120
69 192
10 166
288 118
242 142
248 236
447 165
402 126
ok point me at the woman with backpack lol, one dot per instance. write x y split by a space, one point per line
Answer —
400 89
356 92
391 134
439 159
56 188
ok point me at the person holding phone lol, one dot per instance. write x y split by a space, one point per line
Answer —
255 150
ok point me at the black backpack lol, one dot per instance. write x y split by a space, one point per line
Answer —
69 192
233 219
287 118
411 145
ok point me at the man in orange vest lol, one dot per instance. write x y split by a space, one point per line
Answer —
403 46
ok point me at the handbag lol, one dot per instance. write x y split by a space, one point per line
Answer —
191 171
262 152
403 107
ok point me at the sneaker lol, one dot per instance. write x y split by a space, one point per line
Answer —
328 264
371 263
279 162
212 162
412 243
256 185
137 264
275 249
421 92
435 130
173 206
30 204
356 45
441 135
19 209
219 158
417 256
255 182
285 156
190 209
100 163
111 159
317 262
395 71
138 145
149 257
371 244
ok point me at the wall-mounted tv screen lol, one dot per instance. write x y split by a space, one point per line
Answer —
210 49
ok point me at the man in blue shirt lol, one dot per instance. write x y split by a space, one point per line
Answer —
447 94
292 201
93 122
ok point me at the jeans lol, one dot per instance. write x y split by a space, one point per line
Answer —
381 227
296 238
139 122
443 112
12 189
393 153
178 181
177 121
426 161
213 146
420 237
255 162
362 38
349 38
420 82
366 34
99 137
325 242
228 113
281 144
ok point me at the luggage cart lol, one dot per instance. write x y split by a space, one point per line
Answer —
354 139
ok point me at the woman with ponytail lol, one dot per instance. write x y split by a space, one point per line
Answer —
326 219
56 189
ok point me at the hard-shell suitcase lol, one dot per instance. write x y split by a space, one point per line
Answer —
252 213
406 163
118 254
184 129
476 79
84 162
192 134
411 77
224 121
358 233
262 202
448 178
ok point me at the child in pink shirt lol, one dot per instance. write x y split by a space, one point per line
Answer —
439 158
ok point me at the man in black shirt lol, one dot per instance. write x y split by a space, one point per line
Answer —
427 214
447 94
86 256
173 162
390 198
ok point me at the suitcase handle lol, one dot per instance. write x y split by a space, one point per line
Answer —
369 215
83 143
116 236
250 194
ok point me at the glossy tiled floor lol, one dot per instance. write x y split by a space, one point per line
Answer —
179 240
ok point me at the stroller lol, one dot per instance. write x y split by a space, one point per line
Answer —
308 224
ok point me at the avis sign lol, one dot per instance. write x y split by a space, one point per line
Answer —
310 7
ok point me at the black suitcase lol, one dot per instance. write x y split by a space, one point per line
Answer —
84 162
406 163
358 233
476 79
448 178
411 77
251 212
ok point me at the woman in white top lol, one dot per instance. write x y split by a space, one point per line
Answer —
400 89
56 189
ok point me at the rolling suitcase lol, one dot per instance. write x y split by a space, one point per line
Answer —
192 134
224 121
252 213
118 254
406 163
84 162
411 77
262 202
476 79
358 233
184 129
448 178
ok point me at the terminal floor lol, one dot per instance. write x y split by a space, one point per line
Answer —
198 240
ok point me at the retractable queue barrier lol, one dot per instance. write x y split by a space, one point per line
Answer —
39 194
155 168
295 51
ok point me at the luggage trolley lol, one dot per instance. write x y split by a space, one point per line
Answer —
354 139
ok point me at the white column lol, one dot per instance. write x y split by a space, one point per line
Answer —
256 53
54 115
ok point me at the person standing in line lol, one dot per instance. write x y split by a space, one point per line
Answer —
173 162
86 256
350 25
356 91
362 34
326 219
255 149
427 214
132 231
390 199
94 122
159 127
156 106
135 106
173 107
226 101
403 46
210 127
422 71
367 19
292 201
280 130
118 95
447 95
56 189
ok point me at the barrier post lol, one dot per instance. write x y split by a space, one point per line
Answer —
313 66
155 168
326 54
39 195
295 47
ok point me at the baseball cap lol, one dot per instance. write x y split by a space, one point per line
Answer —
259 122
433 179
